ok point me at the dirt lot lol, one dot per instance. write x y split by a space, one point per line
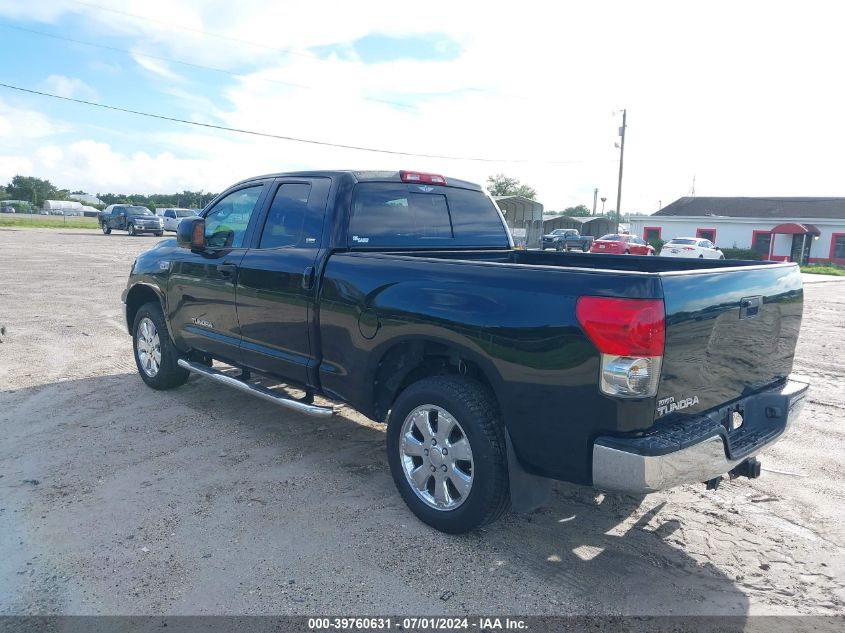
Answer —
116 499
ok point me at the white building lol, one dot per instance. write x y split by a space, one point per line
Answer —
805 229
62 207
85 198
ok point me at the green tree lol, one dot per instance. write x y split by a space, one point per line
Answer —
33 189
501 185
577 212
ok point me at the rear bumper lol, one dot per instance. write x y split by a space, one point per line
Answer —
700 449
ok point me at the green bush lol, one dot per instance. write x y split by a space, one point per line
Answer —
740 253
656 244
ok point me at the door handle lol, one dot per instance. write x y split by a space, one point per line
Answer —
308 278
226 269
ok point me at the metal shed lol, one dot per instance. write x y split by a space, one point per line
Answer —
524 218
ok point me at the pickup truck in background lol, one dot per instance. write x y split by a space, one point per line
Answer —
496 370
566 240
131 218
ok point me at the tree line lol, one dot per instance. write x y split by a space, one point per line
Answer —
37 190
501 185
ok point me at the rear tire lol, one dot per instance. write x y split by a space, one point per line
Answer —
131 230
159 233
701 257
155 355
627 252
417 434
105 228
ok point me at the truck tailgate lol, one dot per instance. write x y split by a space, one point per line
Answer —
728 333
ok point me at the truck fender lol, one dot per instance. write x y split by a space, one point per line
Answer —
528 491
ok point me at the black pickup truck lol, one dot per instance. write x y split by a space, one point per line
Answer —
496 370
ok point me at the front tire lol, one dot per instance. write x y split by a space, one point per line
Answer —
105 228
447 453
159 233
131 230
155 355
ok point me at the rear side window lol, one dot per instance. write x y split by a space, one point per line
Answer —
392 214
286 220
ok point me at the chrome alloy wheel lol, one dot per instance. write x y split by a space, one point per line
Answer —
436 457
148 346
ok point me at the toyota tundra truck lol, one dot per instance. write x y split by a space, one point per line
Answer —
495 370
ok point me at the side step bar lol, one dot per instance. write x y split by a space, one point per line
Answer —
257 390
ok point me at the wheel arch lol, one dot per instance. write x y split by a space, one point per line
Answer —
137 296
406 361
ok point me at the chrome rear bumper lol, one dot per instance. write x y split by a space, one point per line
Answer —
696 450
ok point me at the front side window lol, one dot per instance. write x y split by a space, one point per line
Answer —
287 223
227 221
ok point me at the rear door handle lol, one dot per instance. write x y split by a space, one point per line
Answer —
226 269
308 278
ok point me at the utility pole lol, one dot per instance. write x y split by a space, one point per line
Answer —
595 196
621 162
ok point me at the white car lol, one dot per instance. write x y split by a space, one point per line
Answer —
173 216
691 247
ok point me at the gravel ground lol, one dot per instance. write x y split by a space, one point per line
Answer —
115 499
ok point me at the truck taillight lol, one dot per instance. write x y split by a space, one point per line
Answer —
418 176
630 334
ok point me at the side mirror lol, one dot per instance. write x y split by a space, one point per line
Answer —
190 233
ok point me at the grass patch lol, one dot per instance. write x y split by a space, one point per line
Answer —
48 222
824 270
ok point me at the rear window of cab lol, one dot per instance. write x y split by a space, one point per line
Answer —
400 214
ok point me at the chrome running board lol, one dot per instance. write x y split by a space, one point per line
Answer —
257 390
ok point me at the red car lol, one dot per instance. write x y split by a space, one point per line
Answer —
621 245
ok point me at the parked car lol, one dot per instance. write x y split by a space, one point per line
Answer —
7 209
401 295
566 239
621 244
691 247
171 216
131 218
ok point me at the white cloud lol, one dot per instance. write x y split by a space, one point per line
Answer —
157 67
69 87
17 124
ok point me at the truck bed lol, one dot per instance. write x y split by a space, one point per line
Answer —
519 327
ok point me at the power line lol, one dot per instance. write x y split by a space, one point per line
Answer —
193 65
280 136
